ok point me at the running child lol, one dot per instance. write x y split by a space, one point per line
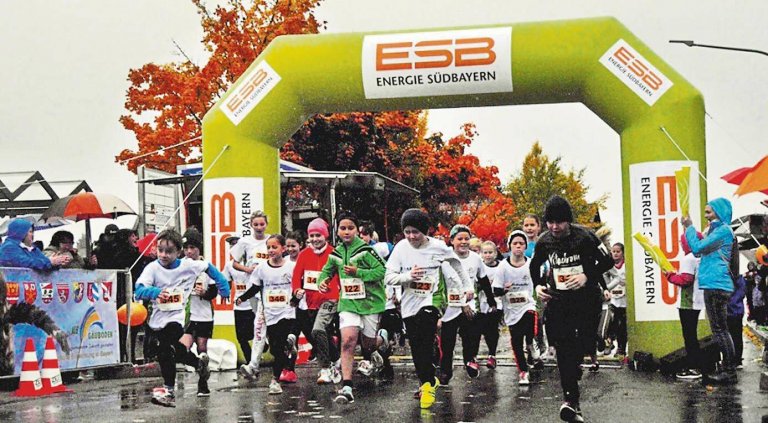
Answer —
460 313
362 300
489 317
168 282
273 279
417 264
248 253
616 281
200 326
513 282
321 306
294 242
244 315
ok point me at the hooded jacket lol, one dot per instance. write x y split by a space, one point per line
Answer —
715 248
15 254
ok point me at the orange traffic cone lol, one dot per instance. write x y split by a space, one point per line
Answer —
30 384
51 373
304 349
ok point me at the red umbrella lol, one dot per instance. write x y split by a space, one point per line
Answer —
738 176
86 206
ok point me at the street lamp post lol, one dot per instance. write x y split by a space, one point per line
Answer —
691 43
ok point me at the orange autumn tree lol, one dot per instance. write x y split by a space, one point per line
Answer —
166 103
460 190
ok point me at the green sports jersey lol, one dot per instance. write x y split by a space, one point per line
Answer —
364 292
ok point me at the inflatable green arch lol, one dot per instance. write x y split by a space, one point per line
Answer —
594 61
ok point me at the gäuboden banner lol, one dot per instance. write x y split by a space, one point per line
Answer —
79 302
597 62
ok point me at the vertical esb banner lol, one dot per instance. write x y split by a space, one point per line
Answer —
656 214
227 207
81 303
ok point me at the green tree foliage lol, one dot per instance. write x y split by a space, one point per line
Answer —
541 178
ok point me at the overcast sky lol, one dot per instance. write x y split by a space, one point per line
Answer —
65 63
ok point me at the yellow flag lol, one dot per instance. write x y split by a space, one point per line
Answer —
656 254
683 178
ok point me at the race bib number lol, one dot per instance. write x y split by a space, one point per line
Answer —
174 302
562 274
618 292
277 298
455 297
310 280
422 288
240 288
352 288
517 298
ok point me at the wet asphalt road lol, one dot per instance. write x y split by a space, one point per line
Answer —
612 395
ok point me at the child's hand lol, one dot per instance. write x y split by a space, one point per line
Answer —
164 295
350 270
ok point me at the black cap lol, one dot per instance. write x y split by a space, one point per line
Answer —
558 210
111 229
417 218
232 240
192 237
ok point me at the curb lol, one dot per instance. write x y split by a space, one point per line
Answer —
759 337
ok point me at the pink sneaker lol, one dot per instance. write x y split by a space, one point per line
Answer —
288 376
490 362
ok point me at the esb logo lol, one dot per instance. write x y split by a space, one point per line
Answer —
471 61
636 72
255 85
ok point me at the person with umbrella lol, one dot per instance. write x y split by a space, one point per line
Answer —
17 249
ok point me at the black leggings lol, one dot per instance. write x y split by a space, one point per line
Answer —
523 330
305 319
421 329
277 335
172 351
689 321
459 325
619 327
735 328
488 328
244 331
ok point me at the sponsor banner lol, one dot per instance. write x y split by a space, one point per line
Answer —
91 326
255 85
419 64
227 207
636 72
655 213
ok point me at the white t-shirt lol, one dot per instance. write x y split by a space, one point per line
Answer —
241 283
393 291
200 310
491 272
178 281
276 292
519 298
434 256
616 280
473 266
250 251
690 264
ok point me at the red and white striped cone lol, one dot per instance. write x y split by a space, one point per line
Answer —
51 374
30 384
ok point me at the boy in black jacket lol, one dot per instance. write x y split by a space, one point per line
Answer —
572 289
